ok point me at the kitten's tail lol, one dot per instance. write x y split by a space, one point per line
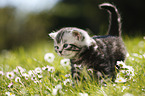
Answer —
114 19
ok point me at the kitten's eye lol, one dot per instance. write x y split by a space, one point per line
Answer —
65 45
56 47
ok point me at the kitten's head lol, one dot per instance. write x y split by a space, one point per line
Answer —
69 41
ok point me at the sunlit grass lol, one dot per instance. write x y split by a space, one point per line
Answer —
53 78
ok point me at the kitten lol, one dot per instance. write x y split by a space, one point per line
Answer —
99 53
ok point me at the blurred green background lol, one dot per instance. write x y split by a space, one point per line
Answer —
23 22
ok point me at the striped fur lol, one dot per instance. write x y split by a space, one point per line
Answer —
99 53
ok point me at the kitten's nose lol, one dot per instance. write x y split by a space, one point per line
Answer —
60 52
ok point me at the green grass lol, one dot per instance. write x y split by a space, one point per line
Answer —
33 56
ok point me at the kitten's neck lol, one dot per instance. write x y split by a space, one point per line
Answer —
83 54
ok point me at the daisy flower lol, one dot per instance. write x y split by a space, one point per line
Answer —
9 94
48 68
17 79
65 62
10 75
121 64
38 70
120 80
51 69
49 57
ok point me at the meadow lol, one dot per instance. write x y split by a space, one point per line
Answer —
36 70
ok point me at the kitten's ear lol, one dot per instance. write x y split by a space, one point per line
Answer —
77 34
52 35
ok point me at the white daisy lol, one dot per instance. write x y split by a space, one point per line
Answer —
49 57
17 79
120 80
121 64
9 94
65 62
10 75
38 70
51 69
40 76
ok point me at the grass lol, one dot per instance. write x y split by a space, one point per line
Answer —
55 82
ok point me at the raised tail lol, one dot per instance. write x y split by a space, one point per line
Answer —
114 19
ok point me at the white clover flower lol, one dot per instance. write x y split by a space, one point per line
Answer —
17 79
49 57
38 70
120 80
1 73
83 94
65 62
128 94
9 94
10 75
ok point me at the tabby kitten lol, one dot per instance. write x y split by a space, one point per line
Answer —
99 53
